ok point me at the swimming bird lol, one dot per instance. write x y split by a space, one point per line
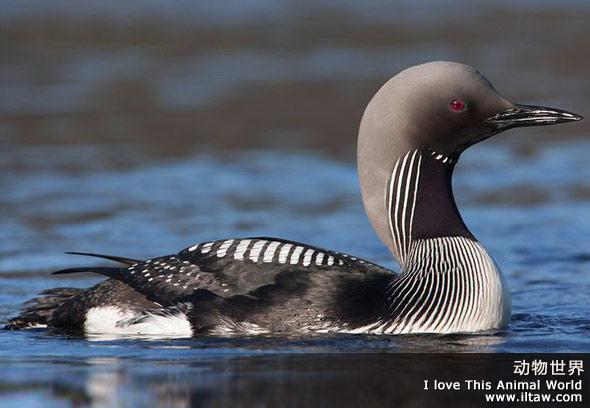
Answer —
411 137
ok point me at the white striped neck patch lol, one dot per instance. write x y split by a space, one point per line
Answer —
419 201
400 200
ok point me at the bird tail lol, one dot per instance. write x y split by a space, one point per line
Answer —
120 259
106 271
38 311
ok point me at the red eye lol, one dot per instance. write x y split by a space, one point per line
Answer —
457 105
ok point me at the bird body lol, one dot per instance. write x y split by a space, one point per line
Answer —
410 139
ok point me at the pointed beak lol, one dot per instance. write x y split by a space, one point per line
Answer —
529 115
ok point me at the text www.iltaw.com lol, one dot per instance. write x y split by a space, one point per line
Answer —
533 397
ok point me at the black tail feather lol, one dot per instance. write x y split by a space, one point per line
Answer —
110 272
125 261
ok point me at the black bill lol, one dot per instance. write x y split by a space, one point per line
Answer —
529 115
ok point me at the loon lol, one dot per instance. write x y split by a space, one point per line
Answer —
411 136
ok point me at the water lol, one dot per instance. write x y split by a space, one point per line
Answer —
139 130
535 233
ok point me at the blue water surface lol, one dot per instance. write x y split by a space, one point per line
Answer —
531 213
139 128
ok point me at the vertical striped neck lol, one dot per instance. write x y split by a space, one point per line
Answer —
420 202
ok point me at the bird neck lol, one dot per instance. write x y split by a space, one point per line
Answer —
416 202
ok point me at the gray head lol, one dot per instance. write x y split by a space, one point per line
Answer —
439 109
